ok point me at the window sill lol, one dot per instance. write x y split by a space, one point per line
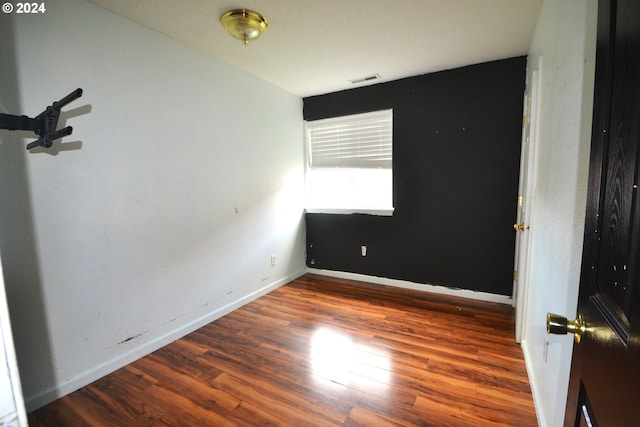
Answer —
342 211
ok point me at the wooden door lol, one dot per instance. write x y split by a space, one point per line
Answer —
528 161
605 370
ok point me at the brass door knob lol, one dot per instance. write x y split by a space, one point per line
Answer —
520 227
559 325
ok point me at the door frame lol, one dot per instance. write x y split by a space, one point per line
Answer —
12 407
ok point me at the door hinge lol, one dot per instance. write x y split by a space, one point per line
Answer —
515 276
520 201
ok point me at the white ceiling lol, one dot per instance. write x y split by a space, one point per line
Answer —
317 46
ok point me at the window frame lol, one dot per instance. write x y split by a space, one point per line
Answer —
383 209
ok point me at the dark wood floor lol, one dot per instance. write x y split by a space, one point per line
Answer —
320 352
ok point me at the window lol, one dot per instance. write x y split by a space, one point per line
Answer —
349 166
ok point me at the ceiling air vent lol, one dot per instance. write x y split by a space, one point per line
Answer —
365 79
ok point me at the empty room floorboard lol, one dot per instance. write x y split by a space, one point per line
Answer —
322 351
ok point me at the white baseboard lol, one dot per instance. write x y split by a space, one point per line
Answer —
463 293
533 383
49 395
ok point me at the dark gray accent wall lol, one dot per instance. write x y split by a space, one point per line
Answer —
456 155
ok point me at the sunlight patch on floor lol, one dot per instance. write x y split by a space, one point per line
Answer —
337 357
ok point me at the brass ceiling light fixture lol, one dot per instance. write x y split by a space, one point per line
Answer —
244 24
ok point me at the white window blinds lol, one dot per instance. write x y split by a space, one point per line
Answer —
356 141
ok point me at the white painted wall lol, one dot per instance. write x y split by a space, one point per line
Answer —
565 38
187 179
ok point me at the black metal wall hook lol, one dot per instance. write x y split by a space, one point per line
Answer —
44 124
